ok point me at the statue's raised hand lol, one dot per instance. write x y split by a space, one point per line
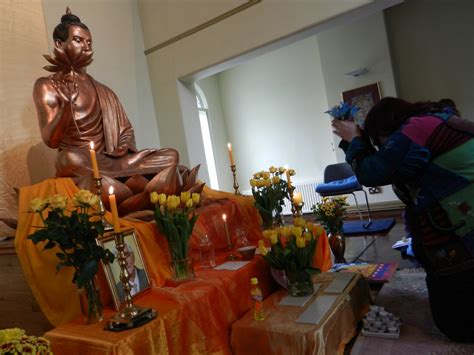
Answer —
66 87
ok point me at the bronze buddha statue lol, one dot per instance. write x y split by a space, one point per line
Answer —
74 109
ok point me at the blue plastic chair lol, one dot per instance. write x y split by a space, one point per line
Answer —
339 179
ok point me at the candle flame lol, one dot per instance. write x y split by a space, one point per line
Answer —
91 145
111 190
229 146
224 217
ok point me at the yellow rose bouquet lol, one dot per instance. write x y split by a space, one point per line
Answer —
175 218
74 234
331 212
269 191
292 250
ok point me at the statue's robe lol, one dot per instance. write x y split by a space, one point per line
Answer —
107 125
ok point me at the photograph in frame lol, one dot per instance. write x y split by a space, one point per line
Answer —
135 266
364 98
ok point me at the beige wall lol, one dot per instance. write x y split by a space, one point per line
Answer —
433 50
22 41
258 25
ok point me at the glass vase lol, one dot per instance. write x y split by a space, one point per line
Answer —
338 246
91 305
182 269
299 283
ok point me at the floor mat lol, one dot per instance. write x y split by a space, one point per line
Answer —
380 226
407 297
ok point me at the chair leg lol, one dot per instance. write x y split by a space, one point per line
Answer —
357 205
368 210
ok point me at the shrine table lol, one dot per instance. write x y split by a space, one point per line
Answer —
279 334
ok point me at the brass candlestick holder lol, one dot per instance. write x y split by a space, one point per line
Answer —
131 316
291 190
298 209
236 184
98 189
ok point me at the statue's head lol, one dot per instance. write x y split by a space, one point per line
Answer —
73 40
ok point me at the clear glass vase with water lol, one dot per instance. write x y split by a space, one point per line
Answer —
207 256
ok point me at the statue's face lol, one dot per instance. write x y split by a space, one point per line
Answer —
79 41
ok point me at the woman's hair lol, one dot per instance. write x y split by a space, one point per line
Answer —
61 32
390 113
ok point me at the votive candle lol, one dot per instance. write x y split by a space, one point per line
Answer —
114 210
95 167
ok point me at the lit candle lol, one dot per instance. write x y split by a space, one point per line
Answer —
224 218
113 208
297 198
288 178
231 156
95 167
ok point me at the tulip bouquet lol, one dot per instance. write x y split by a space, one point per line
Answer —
74 233
269 191
331 212
292 250
175 218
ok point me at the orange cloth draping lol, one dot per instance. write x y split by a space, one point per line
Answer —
279 334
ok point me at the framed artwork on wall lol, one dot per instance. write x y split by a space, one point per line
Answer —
364 98
135 265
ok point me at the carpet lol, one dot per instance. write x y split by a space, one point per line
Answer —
407 297
380 226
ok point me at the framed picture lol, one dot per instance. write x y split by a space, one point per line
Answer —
139 279
364 98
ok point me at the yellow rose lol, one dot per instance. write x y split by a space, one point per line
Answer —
162 199
266 175
189 203
263 249
281 169
85 198
253 182
38 205
256 176
300 242
272 169
275 180
296 231
266 182
273 238
185 196
292 172
58 202
154 197
196 198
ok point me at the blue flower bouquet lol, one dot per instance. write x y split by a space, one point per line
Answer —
343 112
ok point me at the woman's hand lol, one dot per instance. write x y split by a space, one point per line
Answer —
347 130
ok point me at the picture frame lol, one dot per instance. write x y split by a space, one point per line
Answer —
364 98
135 261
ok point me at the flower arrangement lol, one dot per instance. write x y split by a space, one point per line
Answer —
74 233
343 111
269 191
292 250
175 218
15 341
331 212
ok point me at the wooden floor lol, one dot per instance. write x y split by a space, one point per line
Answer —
19 309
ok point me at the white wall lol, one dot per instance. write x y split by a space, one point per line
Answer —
346 48
433 50
273 108
119 60
240 33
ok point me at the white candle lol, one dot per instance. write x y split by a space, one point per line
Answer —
114 210
224 218
231 156
95 167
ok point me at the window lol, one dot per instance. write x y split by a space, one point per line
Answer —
206 138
